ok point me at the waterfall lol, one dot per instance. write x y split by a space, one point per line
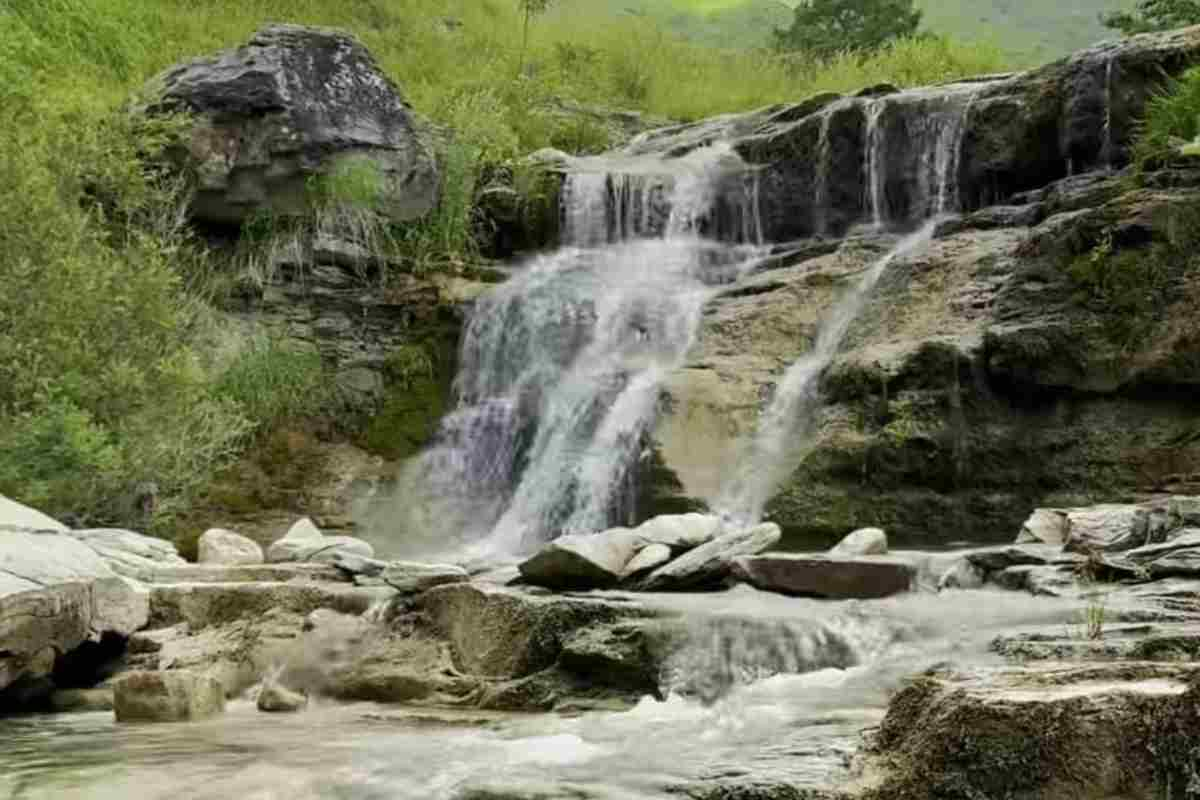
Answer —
948 158
933 156
875 144
777 446
1106 152
821 192
561 367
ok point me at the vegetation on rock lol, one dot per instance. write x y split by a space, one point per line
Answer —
1155 15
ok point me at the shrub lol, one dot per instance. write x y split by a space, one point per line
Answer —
272 382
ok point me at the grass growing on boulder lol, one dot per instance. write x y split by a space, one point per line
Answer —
1172 122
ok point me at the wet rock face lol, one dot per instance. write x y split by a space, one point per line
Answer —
291 104
981 380
1040 733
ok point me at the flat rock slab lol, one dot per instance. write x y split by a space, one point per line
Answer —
249 573
827 577
204 604
128 553
408 577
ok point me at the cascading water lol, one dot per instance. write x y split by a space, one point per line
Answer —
935 140
1106 152
778 444
561 367
874 158
823 166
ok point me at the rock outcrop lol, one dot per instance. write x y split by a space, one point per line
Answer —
984 377
991 372
56 594
1082 731
292 105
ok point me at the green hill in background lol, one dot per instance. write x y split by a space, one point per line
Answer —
1033 31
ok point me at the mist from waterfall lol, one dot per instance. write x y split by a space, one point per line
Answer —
561 367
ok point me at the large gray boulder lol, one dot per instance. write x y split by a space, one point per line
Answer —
864 542
304 542
226 547
14 516
55 594
1044 526
827 577
680 532
502 633
709 564
582 561
173 696
293 104
1107 528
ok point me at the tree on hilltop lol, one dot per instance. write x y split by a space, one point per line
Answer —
824 28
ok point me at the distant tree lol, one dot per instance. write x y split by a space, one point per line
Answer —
825 27
1155 15
529 9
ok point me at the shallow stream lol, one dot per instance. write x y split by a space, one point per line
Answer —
790 729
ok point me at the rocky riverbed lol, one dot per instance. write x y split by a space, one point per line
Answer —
1030 654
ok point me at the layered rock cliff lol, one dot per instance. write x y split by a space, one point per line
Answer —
1041 350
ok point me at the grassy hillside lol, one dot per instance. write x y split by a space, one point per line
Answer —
1032 31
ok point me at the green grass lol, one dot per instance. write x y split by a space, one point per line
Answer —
1029 31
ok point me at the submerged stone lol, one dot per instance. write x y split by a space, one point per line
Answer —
276 698
172 696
